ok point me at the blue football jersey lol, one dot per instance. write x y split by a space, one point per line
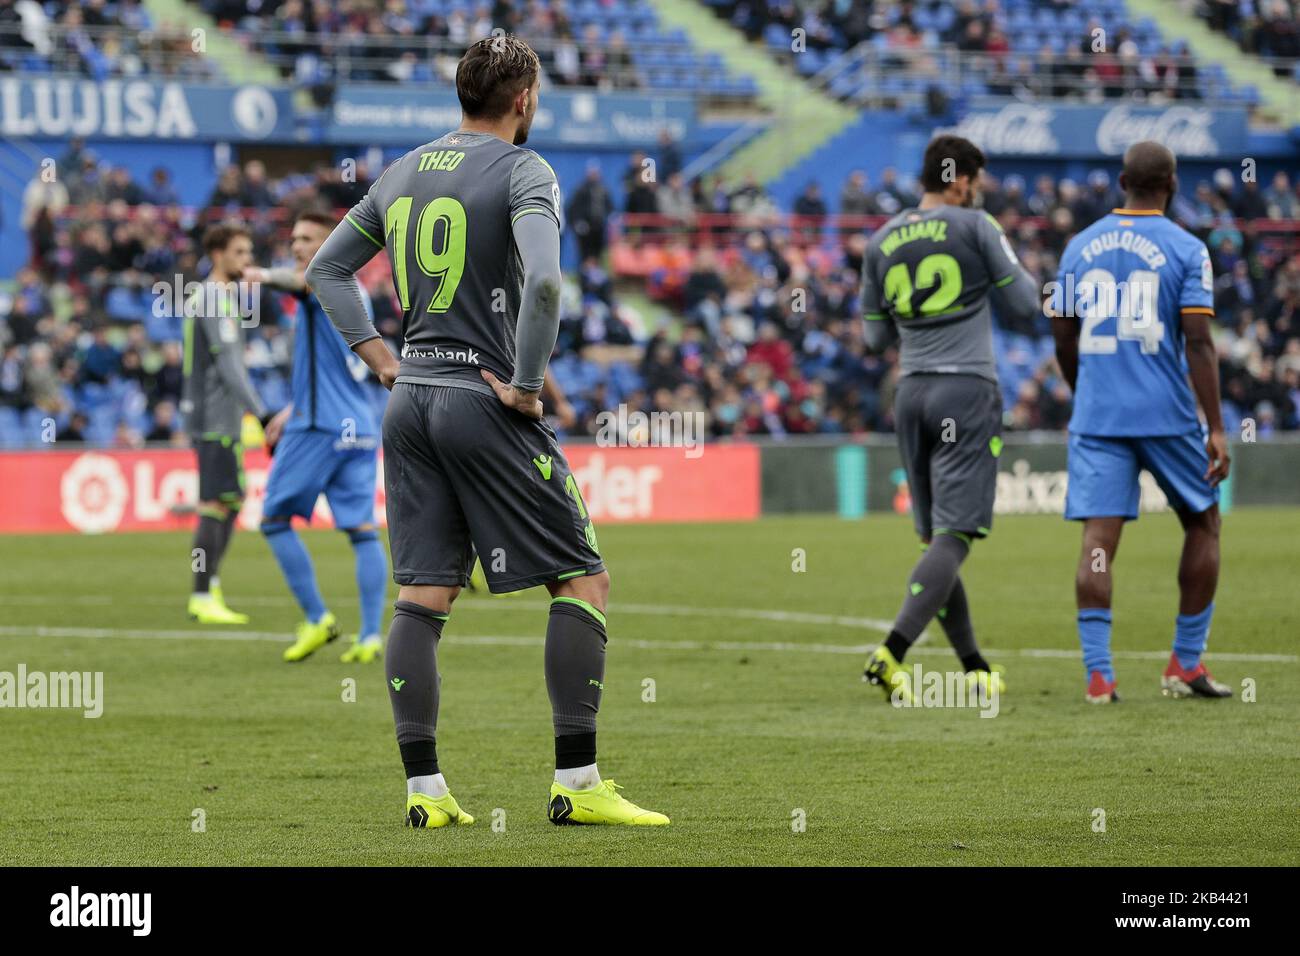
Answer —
328 378
1129 279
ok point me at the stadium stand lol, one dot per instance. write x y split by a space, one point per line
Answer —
690 292
881 52
767 343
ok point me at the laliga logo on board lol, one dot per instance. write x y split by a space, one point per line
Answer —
1184 129
1019 128
94 494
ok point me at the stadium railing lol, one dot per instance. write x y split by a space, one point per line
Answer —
663 62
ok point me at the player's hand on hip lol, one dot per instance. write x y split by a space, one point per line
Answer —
1217 448
526 403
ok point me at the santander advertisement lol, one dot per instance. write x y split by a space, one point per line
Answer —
104 491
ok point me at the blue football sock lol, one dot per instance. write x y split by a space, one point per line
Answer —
296 565
1094 638
372 578
1191 632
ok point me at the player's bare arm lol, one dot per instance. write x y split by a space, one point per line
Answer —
1203 369
288 279
1065 330
553 397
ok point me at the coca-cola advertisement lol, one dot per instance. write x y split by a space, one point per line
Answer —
1096 132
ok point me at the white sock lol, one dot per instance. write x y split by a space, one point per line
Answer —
430 786
370 639
578 778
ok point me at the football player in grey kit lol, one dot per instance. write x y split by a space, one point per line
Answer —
217 395
927 277
471 226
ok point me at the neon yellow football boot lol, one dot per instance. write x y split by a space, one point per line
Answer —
986 682
602 804
425 812
206 609
312 637
363 652
218 595
886 673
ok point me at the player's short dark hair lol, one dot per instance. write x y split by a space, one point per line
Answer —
1149 169
316 216
492 73
218 237
948 157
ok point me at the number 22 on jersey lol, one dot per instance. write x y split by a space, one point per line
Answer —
439 247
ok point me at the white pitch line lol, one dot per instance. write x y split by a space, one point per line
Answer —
514 640
485 604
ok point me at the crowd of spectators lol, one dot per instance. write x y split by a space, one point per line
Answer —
98 39
88 337
768 295
404 40
710 296
1062 49
1263 27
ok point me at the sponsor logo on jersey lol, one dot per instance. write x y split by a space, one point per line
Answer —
467 356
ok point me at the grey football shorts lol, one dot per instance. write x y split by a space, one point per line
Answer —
949 433
463 473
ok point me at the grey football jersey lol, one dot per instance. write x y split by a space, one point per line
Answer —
444 214
216 391
930 271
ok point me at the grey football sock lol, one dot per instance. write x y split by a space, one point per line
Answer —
207 542
411 666
955 618
930 584
575 665
227 532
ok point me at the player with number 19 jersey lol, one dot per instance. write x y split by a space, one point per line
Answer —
460 470
1129 278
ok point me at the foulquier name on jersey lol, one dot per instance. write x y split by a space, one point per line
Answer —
1128 241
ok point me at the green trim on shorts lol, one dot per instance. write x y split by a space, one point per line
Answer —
1005 282
956 534
572 574
215 513
579 602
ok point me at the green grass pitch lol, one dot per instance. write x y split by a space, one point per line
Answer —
759 718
